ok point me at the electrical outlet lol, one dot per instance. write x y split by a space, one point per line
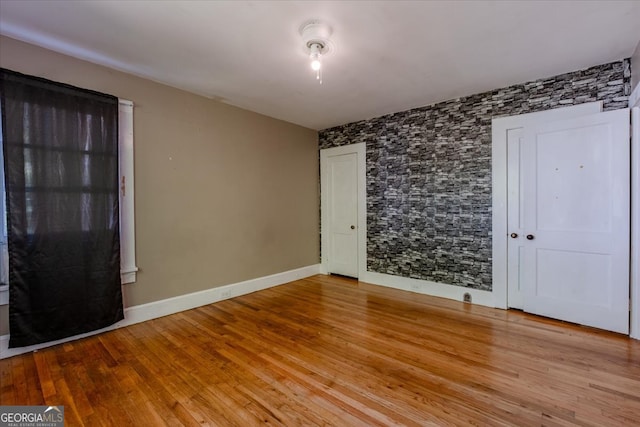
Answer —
225 294
466 297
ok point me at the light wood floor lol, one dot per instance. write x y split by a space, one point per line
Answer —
332 351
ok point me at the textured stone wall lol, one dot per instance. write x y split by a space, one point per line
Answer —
429 173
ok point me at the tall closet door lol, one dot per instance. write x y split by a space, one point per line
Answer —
574 257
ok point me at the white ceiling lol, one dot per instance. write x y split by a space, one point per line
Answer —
389 56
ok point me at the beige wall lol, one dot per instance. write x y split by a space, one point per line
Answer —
222 194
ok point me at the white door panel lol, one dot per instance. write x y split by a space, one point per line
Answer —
343 214
576 209
579 284
571 164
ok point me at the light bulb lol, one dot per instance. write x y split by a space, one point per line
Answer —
315 53
315 56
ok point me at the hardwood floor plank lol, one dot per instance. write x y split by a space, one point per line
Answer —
8 389
44 377
329 350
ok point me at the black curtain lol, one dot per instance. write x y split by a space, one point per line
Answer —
61 176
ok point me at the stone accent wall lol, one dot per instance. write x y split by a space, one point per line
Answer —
429 173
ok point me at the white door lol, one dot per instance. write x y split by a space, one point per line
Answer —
506 134
342 205
574 250
515 223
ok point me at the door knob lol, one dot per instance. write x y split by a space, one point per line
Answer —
514 235
529 236
353 227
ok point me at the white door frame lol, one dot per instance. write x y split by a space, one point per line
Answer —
499 235
361 228
635 216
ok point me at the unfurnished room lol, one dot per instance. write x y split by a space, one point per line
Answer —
335 213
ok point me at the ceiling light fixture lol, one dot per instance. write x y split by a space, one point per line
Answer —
316 44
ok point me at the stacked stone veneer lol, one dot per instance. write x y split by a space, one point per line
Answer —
429 173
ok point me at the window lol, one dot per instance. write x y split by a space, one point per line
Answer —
128 268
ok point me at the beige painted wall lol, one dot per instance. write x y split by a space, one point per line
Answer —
222 194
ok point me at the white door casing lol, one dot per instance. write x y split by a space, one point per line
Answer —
501 129
343 210
635 219
576 203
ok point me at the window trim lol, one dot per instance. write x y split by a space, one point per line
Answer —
128 267
4 289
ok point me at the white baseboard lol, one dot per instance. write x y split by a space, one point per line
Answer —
153 310
4 294
429 288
